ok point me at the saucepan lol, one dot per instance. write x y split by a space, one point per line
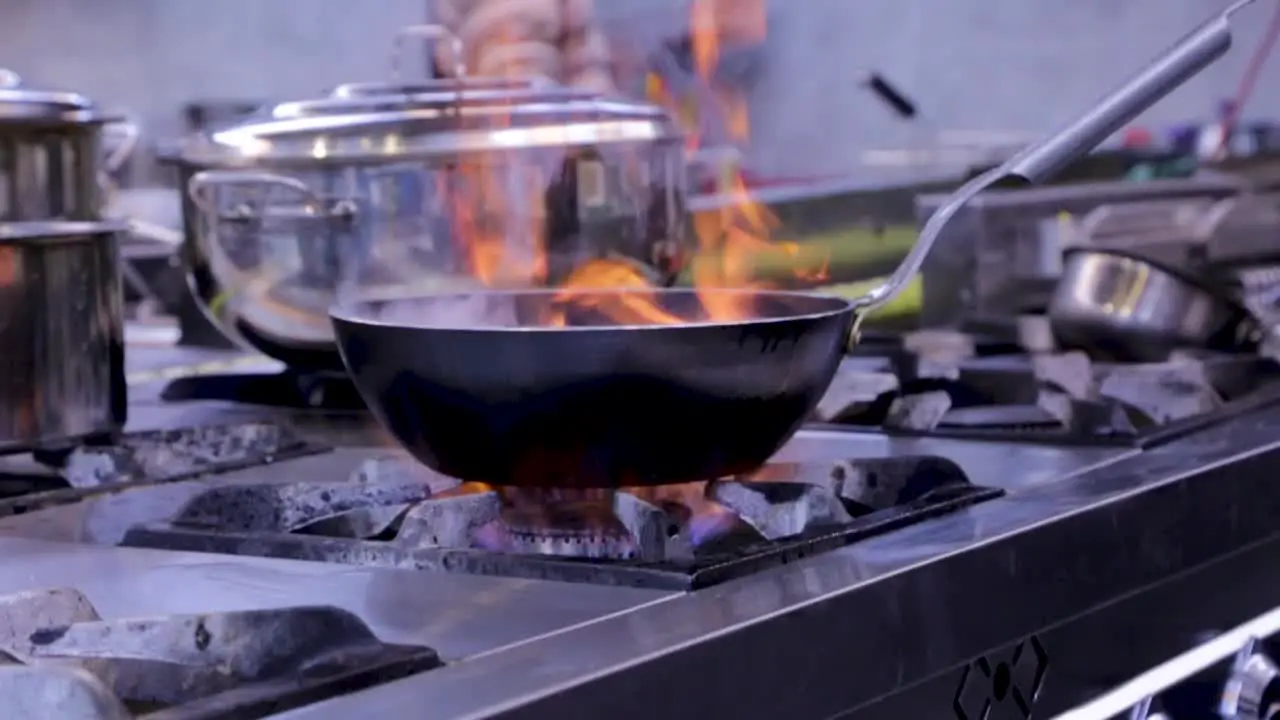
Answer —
372 180
638 387
1132 309
53 163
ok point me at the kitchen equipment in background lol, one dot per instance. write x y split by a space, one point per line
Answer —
424 188
62 333
601 363
52 163
1131 309
1002 255
1144 277
587 178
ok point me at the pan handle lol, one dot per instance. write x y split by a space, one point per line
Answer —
431 35
201 186
1042 160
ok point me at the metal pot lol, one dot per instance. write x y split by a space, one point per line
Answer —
398 192
1132 310
62 373
53 161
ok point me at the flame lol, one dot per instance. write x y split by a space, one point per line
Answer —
501 217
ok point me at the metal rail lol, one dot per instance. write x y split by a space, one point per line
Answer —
1134 698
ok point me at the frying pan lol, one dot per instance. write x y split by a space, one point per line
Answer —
480 385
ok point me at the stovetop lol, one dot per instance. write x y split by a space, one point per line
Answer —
939 384
258 487
392 512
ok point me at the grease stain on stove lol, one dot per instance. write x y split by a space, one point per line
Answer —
48 636
1002 684
202 635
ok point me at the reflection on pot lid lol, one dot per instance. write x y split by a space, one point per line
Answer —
433 124
431 97
58 230
365 89
20 102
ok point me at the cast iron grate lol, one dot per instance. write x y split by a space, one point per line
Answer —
388 515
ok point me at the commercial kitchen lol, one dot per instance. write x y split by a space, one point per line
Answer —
479 391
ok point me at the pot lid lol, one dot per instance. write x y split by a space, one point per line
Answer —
22 102
439 98
365 89
377 128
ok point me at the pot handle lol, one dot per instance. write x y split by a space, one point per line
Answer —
201 186
1044 159
129 133
430 35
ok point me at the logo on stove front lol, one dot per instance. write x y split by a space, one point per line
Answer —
1004 685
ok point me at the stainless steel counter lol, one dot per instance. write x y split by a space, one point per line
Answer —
846 629
459 616
852 632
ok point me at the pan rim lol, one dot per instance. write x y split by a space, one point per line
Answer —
839 306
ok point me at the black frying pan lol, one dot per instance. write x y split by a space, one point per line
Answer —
498 396
593 404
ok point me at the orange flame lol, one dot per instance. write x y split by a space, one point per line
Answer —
499 208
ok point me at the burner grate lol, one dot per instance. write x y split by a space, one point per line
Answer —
146 458
1063 399
403 516
242 665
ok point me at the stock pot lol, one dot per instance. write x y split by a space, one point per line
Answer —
398 188
54 163
62 332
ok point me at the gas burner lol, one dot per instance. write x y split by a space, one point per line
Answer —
585 529
46 479
393 512
1052 398
243 665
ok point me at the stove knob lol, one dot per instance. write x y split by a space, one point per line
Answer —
1253 689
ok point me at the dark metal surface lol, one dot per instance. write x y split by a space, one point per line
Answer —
478 386
387 513
839 631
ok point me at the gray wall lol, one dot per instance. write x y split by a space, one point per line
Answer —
1014 65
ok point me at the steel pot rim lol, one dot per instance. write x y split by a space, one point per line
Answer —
58 230
1193 283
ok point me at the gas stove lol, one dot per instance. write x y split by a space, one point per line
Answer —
861 534
63 659
943 384
391 512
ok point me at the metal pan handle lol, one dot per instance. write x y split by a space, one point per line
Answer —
129 133
201 186
1042 160
431 35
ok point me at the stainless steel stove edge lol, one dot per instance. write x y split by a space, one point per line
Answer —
842 630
